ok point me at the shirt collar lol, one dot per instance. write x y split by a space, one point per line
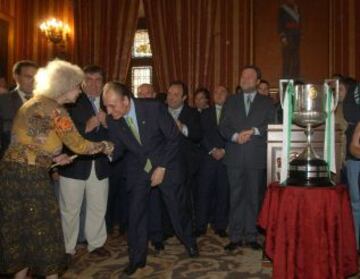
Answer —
92 97
177 109
252 95
218 107
131 113
21 94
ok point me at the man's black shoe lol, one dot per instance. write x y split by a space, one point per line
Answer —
70 257
122 230
221 233
158 246
232 246
168 235
131 268
254 245
193 252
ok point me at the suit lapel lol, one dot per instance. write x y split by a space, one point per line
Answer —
90 107
142 126
213 115
182 114
17 101
129 137
141 121
242 105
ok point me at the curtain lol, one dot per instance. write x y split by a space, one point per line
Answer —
182 38
26 39
203 43
104 33
233 41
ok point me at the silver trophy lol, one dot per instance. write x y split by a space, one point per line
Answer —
309 111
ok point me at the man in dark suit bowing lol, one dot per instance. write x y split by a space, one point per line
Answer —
244 125
213 192
156 231
144 129
23 74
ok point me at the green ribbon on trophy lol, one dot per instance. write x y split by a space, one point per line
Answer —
287 125
329 146
308 106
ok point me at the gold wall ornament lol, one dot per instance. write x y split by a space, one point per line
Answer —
55 30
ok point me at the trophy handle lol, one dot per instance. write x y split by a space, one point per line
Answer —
329 83
283 83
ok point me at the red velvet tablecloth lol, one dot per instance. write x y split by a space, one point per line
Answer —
309 232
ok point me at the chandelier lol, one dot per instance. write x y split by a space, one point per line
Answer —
55 30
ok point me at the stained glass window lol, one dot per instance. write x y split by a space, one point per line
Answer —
141 47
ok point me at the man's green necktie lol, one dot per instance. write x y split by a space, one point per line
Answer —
130 123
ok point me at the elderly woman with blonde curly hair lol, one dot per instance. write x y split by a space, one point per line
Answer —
30 230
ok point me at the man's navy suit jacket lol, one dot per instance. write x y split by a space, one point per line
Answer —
160 139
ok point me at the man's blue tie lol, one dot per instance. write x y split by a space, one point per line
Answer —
247 104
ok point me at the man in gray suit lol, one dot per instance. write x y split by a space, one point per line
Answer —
243 124
23 73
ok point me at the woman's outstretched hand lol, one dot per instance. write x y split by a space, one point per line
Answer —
108 147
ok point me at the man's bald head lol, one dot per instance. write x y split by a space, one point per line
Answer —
146 90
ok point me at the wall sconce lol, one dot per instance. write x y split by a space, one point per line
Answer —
55 30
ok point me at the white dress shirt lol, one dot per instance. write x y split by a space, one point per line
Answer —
175 114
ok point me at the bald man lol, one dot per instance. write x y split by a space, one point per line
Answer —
146 90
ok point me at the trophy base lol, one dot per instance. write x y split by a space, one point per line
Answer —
309 173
